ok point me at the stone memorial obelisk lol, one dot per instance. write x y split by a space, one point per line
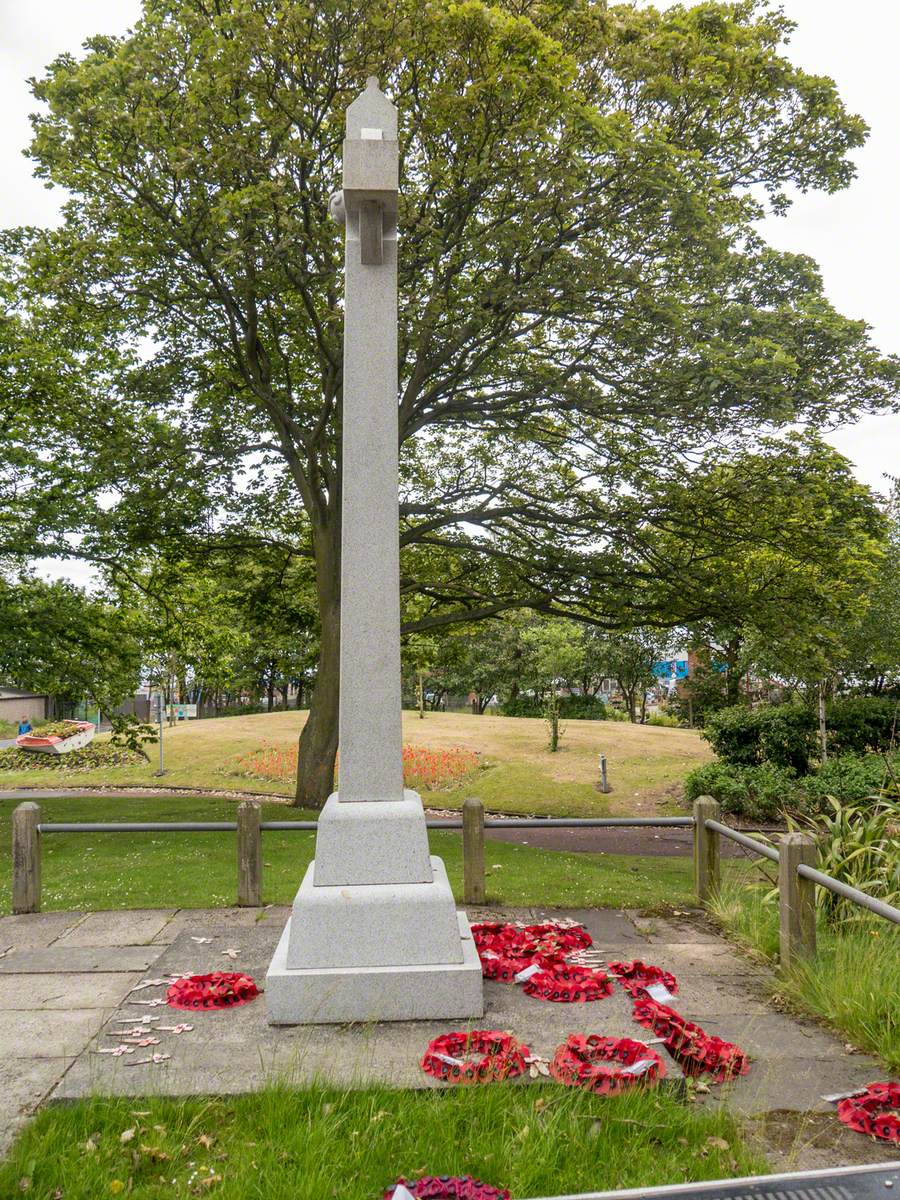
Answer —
374 933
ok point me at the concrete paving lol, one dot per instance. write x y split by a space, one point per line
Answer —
66 979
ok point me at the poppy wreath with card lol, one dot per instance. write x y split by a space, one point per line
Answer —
606 1065
451 1057
437 1187
874 1111
695 1051
635 976
221 989
568 985
505 950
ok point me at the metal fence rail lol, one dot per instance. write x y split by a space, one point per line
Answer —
306 826
742 839
872 903
796 857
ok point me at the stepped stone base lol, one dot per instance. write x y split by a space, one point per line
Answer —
334 995
374 925
360 841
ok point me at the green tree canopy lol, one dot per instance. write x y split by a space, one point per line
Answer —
55 638
584 297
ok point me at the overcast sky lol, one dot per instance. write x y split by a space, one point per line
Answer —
852 235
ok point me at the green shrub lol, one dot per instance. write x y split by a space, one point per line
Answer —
582 708
780 734
858 844
858 724
664 719
847 777
571 708
761 793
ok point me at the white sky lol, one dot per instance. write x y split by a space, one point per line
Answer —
852 235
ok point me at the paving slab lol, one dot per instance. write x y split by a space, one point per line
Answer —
608 925
24 1083
203 920
130 927
668 931
60 991
77 960
61 1036
35 930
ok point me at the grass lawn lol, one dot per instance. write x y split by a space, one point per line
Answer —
316 1144
646 763
853 982
198 870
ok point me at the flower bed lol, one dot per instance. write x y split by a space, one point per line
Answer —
89 758
423 769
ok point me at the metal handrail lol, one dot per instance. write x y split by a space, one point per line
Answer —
307 826
138 827
880 907
743 840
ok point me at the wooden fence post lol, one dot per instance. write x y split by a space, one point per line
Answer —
706 848
249 850
604 780
796 898
473 851
26 858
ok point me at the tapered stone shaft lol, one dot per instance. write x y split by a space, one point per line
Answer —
370 735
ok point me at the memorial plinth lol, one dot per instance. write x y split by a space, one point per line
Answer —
374 933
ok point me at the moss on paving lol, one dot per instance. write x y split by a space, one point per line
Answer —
314 1144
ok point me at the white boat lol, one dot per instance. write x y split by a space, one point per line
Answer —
58 743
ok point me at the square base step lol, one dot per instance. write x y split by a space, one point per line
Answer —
333 995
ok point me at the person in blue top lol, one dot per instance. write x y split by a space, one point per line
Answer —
24 726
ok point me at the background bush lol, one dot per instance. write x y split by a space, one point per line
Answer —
665 719
767 792
571 708
759 792
781 734
862 723
846 777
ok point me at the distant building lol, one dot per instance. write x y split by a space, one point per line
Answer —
20 702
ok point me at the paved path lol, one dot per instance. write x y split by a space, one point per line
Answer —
65 976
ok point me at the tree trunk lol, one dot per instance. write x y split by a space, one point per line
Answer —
823 731
270 693
319 737
733 674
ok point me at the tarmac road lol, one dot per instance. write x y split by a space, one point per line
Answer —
642 840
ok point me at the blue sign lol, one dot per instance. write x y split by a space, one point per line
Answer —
664 670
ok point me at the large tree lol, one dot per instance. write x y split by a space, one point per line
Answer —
787 569
583 297
55 638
